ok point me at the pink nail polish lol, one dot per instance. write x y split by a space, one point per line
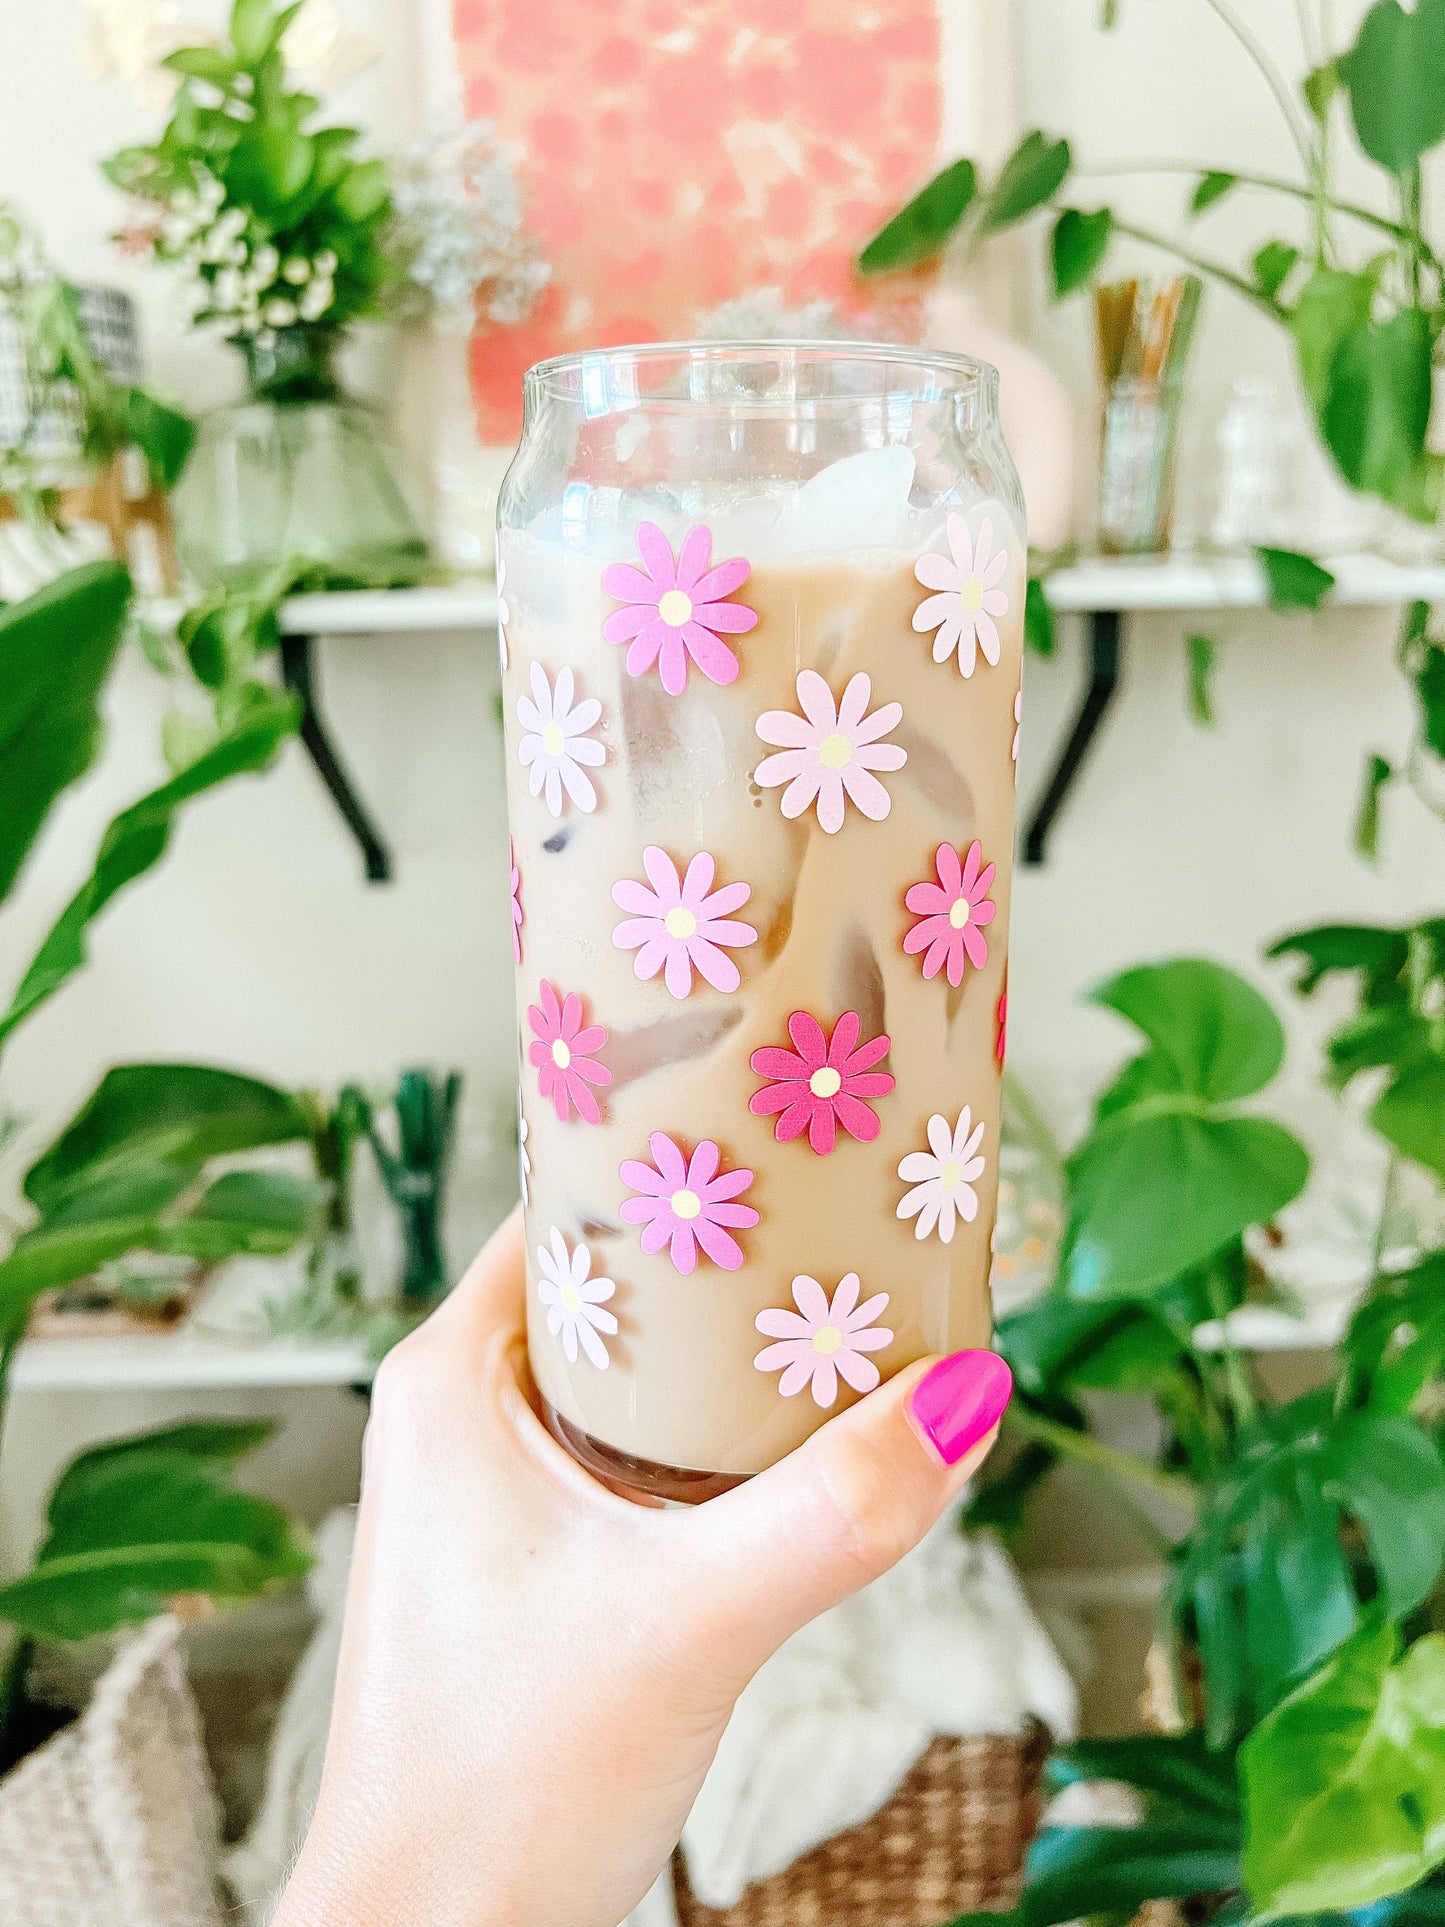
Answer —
960 1401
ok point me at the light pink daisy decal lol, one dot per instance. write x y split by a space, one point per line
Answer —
966 609
681 924
822 1082
1018 725
565 1053
829 753
677 608
952 913
516 900
820 1343
687 1202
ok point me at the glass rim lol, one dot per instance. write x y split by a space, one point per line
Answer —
959 372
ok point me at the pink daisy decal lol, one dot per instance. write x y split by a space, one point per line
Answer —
820 1343
565 1053
822 1083
516 900
682 924
829 753
952 913
965 612
687 1202
677 608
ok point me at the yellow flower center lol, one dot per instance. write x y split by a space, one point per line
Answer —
680 922
561 1056
553 741
971 595
825 1083
958 913
675 608
950 1174
827 1339
835 752
685 1204
571 1298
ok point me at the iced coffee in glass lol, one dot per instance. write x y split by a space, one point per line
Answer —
761 644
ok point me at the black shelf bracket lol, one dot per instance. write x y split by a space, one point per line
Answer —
1105 629
298 670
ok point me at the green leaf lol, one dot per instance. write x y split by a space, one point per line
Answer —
1330 948
1377 411
1178 1768
1075 1872
176 1114
135 840
97 1224
136 1527
1292 580
1366 836
1212 187
262 1212
256 27
1220 1037
919 230
1410 1114
363 193
1387 1474
1273 265
1038 618
163 435
1032 175
1329 306
1430 688
1319 88
56 649
1153 1195
213 1441
1080 242
202 63
1395 1345
1391 1035
1395 74
1344 1782
1202 653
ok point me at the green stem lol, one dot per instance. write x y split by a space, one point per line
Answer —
1273 78
1236 1377
1034 1124
1225 276
1122 1467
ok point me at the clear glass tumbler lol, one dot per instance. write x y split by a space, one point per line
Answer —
761 636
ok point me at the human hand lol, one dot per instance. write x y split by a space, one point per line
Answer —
535 1673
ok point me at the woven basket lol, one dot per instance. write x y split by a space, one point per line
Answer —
950 1840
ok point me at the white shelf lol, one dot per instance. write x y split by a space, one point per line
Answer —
361 612
1184 583
184 1360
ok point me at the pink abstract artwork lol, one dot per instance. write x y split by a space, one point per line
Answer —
679 155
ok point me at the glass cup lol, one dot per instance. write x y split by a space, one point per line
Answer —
761 638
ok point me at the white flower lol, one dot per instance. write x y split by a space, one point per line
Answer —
264 265
325 262
524 1156
315 300
297 270
556 742
279 314
575 1302
964 613
319 42
943 1177
504 611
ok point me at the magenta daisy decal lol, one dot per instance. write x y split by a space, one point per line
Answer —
829 752
516 900
686 1202
822 1082
1000 1047
677 608
565 1053
824 1341
965 611
952 913
678 924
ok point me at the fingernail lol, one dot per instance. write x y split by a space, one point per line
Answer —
960 1401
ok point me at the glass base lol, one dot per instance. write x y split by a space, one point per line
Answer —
681 1484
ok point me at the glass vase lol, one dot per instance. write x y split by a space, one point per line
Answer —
763 645
298 475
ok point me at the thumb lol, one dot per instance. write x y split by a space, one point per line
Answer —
847 1504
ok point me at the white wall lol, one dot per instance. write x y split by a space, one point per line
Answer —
259 945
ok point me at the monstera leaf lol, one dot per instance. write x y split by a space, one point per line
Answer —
1172 1171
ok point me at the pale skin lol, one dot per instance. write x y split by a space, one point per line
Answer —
535 1672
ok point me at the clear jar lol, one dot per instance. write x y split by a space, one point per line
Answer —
762 642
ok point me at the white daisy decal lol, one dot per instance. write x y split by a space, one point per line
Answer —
576 1303
524 1156
827 754
504 609
943 1177
556 744
966 609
